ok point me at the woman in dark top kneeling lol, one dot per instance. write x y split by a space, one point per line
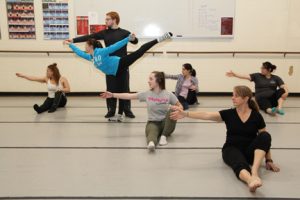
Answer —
247 141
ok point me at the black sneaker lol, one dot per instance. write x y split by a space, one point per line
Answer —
36 108
51 110
129 114
109 114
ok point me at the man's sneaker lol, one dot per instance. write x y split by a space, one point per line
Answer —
165 36
151 146
120 118
129 114
163 140
117 118
109 114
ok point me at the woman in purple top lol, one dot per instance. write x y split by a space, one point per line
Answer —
187 85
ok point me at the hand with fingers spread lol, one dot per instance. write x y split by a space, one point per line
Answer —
230 74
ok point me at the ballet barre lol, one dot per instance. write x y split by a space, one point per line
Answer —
51 52
284 53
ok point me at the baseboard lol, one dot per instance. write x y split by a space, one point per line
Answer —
97 93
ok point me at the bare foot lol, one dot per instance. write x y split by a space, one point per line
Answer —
254 183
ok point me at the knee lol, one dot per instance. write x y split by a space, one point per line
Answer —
263 141
265 136
284 96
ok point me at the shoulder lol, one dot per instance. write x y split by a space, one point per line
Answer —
230 110
256 114
170 94
227 113
147 92
276 77
124 30
180 76
256 74
63 79
194 79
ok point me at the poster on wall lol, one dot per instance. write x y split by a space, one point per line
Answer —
94 28
82 25
20 18
226 26
56 19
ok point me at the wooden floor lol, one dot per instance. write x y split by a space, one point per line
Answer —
75 153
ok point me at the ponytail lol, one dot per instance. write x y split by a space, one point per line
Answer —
193 72
269 66
253 105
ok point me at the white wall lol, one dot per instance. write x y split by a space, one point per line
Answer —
260 25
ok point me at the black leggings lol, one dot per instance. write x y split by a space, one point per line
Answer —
239 159
265 103
190 99
59 100
129 59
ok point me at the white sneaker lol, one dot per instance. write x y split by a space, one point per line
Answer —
151 146
120 118
116 118
165 36
163 140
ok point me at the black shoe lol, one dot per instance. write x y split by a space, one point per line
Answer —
129 114
109 114
36 108
51 110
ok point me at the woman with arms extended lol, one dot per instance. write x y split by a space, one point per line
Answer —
270 90
57 86
158 100
247 140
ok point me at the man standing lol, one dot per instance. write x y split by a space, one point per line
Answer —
120 83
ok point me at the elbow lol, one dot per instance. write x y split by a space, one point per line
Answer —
67 90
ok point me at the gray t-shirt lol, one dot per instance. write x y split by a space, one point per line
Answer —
157 104
265 87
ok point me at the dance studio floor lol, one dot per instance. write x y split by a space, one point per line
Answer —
75 153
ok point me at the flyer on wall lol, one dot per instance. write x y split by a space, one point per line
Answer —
56 19
20 18
82 25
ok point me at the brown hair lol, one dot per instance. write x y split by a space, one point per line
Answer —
114 15
56 74
244 91
160 79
